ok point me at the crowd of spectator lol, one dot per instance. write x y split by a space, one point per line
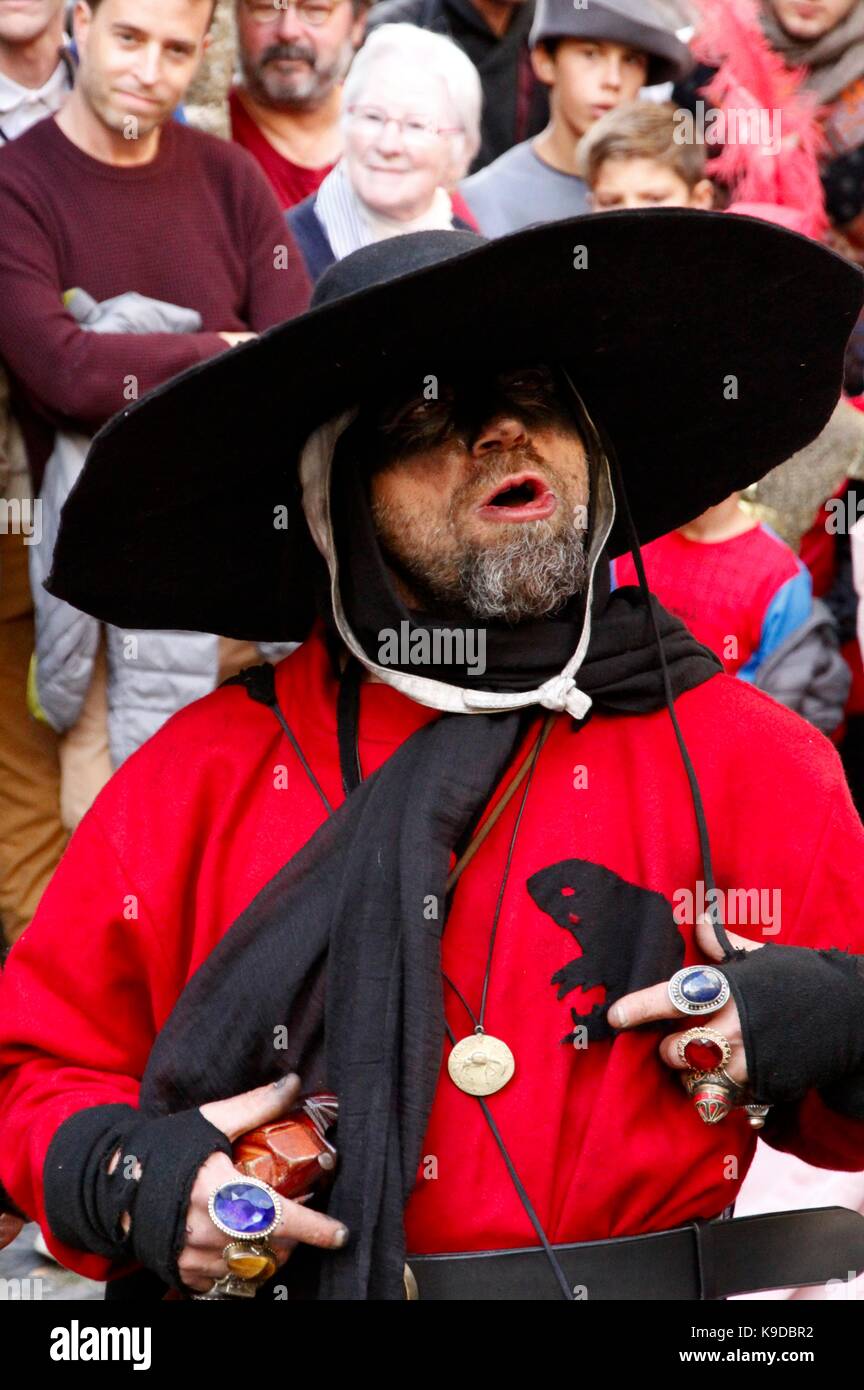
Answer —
134 246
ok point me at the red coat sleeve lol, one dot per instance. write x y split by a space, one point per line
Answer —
164 861
76 1022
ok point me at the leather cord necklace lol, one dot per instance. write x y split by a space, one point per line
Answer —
481 1064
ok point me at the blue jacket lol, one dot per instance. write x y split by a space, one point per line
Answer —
312 238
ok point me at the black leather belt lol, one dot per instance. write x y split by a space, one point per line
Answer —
706 1260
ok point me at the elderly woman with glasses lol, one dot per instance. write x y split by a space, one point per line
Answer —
411 123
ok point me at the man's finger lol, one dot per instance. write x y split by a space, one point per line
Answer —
201 1264
706 939
650 1005
239 1114
298 1223
310 1227
736 1067
643 1006
668 1050
200 1277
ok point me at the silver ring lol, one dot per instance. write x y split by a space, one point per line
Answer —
698 989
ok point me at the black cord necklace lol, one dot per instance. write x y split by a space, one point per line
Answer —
481 1064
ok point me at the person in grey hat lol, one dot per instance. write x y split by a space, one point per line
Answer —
592 58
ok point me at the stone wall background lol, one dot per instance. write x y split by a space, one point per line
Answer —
207 107
207 104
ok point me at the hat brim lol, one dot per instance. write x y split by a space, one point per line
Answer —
709 347
669 60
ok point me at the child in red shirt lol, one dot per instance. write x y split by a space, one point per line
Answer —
740 589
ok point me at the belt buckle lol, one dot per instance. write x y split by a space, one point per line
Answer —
410 1284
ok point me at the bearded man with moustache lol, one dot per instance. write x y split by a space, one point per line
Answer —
447 896
286 109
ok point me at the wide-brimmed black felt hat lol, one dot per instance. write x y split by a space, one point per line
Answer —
709 348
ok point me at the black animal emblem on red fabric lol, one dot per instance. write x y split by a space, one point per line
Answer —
626 938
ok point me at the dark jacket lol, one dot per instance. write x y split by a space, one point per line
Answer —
515 103
807 673
312 239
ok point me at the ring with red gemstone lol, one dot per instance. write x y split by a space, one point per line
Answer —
703 1049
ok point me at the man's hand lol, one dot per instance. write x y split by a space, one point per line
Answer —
649 1005
200 1262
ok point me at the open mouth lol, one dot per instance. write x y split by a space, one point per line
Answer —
520 497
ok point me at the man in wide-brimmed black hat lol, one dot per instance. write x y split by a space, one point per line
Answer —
481 824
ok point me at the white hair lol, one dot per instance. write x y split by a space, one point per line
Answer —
435 54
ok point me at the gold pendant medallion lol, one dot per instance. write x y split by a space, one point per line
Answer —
480 1064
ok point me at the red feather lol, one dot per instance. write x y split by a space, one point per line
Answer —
753 79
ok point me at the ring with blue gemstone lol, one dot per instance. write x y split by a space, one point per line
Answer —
246 1209
698 989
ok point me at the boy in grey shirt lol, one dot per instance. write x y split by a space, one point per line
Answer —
592 58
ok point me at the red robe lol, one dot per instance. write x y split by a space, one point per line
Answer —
603 1137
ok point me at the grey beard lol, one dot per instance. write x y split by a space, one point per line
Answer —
525 578
530 576
296 94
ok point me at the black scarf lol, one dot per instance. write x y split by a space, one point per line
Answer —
338 947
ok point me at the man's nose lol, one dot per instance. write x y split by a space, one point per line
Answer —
149 64
502 432
289 26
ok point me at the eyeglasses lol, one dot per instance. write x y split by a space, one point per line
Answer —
415 130
314 13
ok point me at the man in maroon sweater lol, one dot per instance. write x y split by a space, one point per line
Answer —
109 196
113 195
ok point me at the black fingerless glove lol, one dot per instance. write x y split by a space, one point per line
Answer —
802 1022
84 1203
